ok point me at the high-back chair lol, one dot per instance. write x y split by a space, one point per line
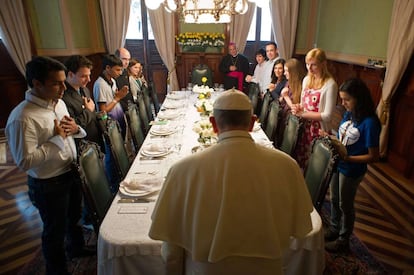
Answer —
146 98
291 134
200 71
154 98
272 120
254 93
95 184
135 127
265 109
115 142
322 162
143 114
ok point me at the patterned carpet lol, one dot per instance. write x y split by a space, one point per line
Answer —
79 266
358 261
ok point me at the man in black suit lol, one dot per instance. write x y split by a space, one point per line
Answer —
235 67
123 79
78 99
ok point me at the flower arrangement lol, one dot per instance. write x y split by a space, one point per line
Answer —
204 107
203 39
204 92
205 131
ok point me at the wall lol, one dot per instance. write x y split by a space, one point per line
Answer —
352 31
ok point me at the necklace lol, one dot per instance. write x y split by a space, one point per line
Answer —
234 60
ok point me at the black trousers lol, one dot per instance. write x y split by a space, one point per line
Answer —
58 200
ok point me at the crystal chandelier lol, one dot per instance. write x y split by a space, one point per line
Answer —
204 11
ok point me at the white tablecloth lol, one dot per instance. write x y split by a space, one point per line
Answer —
123 243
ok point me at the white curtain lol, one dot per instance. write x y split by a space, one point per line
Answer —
284 22
240 25
163 27
115 17
14 32
399 52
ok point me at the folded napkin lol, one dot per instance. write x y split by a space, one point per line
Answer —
176 96
141 186
156 148
162 129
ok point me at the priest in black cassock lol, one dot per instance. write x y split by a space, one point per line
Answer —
235 67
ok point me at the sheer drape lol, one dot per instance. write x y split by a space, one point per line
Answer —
284 23
163 27
115 17
400 49
15 35
239 27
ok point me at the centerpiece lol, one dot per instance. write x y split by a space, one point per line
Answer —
204 107
205 131
203 91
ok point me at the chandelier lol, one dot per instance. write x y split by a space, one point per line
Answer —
204 11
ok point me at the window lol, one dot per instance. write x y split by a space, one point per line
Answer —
135 24
262 22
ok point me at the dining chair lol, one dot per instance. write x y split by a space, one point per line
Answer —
135 128
115 142
291 133
146 97
95 184
272 121
154 98
143 114
321 165
200 71
254 93
265 109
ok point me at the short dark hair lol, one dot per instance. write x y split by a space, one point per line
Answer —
261 52
111 60
39 68
271 43
74 62
232 118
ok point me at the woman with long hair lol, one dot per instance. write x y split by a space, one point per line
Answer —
278 78
317 104
359 132
290 95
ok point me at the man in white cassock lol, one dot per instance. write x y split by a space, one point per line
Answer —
232 208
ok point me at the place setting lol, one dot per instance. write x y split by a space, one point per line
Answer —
176 96
169 114
155 150
162 130
172 104
136 190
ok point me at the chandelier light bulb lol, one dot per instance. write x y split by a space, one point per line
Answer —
153 4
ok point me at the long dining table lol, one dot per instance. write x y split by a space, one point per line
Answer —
124 246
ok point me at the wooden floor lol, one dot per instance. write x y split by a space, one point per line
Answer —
384 205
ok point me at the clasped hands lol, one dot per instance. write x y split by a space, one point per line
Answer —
297 110
66 127
121 93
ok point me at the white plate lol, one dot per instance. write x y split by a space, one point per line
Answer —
140 187
154 154
155 150
161 130
176 96
172 105
168 115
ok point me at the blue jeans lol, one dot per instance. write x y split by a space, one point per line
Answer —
342 191
58 200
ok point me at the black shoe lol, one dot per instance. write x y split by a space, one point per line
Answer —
338 246
86 251
331 235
